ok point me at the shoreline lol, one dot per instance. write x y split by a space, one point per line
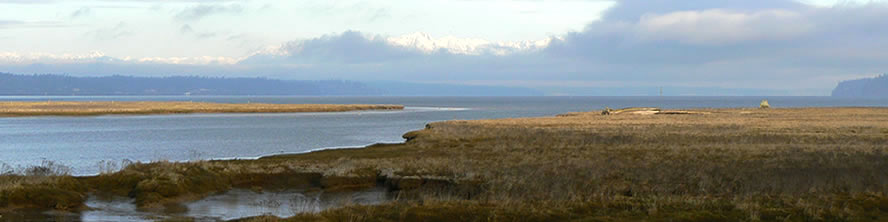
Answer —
99 108
694 164
277 155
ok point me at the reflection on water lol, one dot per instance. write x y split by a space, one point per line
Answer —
237 203
114 209
244 203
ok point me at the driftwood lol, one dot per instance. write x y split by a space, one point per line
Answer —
632 110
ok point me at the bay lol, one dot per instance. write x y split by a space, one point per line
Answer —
88 144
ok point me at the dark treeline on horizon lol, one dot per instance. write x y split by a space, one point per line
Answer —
51 84
64 85
869 87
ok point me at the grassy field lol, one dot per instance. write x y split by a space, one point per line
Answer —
142 108
811 164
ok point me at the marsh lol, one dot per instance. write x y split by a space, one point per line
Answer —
779 163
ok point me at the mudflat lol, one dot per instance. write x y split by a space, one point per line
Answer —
804 164
65 108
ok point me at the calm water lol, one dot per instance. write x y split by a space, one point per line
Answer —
82 143
230 205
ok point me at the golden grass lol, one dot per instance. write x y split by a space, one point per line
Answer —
728 164
104 108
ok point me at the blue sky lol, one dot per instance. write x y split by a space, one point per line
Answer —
560 47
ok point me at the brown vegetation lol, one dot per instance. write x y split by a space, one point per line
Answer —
46 186
141 108
730 164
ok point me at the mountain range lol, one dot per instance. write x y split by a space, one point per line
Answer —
48 84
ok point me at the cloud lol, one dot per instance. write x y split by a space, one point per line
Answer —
349 47
201 11
26 1
707 35
120 30
717 26
205 35
10 24
772 45
359 12
238 37
776 46
379 14
633 10
84 11
186 28
146 1
266 6
171 1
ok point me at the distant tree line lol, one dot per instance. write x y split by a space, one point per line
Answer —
869 87
51 84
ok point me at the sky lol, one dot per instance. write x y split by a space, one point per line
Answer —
561 47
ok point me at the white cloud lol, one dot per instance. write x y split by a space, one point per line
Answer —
775 45
9 23
200 11
12 24
356 47
120 30
186 29
718 26
83 11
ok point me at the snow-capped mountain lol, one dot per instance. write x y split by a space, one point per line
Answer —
99 57
468 46
19 58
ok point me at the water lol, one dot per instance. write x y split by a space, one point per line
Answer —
230 205
240 203
84 143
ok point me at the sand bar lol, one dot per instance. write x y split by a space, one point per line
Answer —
82 108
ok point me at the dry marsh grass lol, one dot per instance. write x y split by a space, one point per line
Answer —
105 108
816 164
46 186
